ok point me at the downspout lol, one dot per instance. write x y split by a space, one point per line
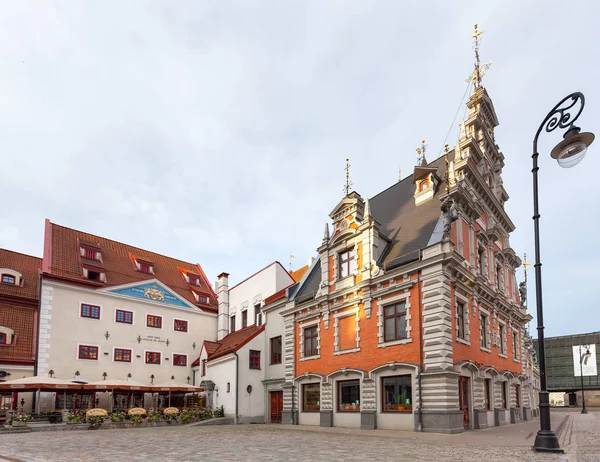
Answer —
36 340
237 382
420 426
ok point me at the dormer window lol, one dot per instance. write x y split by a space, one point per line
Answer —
94 274
6 335
90 253
8 279
193 279
347 263
423 185
143 266
201 298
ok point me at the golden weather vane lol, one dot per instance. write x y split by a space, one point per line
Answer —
348 184
421 152
477 76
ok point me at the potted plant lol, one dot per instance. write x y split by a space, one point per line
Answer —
399 400
74 419
19 420
95 421
153 417
118 419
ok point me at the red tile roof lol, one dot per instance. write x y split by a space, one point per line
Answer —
28 266
62 259
276 296
232 342
299 273
22 321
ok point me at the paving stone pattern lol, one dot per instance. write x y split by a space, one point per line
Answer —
272 442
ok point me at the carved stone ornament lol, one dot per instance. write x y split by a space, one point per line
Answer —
523 292
450 216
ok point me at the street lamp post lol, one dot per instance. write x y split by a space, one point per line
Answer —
581 358
568 153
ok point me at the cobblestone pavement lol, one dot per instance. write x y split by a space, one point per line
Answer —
271 442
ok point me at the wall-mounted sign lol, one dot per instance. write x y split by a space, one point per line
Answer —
584 363
153 338
151 291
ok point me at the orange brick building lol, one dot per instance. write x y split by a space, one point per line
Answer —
19 276
411 316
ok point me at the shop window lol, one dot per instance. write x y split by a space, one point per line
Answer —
397 393
394 322
90 311
504 395
275 350
349 396
311 397
487 393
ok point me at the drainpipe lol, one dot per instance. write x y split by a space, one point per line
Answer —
420 426
36 340
237 382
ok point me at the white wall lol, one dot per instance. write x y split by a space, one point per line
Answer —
62 329
396 420
252 405
274 327
253 291
221 371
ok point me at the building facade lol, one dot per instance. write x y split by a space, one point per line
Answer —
113 310
19 277
232 369
411 318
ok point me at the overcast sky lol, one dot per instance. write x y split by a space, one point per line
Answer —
216 132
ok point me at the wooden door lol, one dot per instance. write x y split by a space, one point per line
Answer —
463 398
276 406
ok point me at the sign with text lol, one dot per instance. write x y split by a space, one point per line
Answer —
152 292
584 363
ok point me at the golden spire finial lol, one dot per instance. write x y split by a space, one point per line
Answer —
446 150
348 184
421 152
477 76
400 174
526 265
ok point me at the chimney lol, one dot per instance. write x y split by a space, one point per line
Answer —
223 299
311 260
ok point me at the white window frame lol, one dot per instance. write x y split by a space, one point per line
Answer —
304 325
122 348
187 364
381 304
90 304
502 352
122 323
516 346
460 298
336 331
162 321
488 346
180 331
88 344
154 351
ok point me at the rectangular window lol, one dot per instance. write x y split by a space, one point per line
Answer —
254 359
460 315
480 258
349 396
154 321
180 325
347 263
258 315
244 318
123 316
203 367
311 397
397 393
394 322
145 267
202 299
2 338
152 357
90 311
515 345
275 350
179 360
8 279
311 338
193 279
504 397
483 320
501 335
122 355
90 253
487 389
88 352
232 324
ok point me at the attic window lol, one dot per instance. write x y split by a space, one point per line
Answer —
193 279
144 266
8 279
201 298
423 185
6 335
94 274
90 253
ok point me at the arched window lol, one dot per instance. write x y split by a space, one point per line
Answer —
6 335
423 185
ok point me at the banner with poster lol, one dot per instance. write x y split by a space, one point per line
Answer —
589 364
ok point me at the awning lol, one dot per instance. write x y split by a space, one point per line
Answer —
39 383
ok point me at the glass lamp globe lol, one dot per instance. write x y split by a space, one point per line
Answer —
571 150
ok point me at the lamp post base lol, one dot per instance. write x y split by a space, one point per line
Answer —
584 411
546 441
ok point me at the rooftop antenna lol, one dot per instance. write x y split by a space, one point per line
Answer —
348 184
291 256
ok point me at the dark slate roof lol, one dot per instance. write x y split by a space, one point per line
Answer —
308 290
408 226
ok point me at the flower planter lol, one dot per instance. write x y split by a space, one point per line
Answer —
18 423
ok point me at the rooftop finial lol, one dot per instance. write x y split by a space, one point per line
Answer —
480 70
421 154
348 184
400 174
446 150
326 233
291 256
526 265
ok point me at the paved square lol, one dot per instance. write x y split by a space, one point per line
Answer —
271 442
